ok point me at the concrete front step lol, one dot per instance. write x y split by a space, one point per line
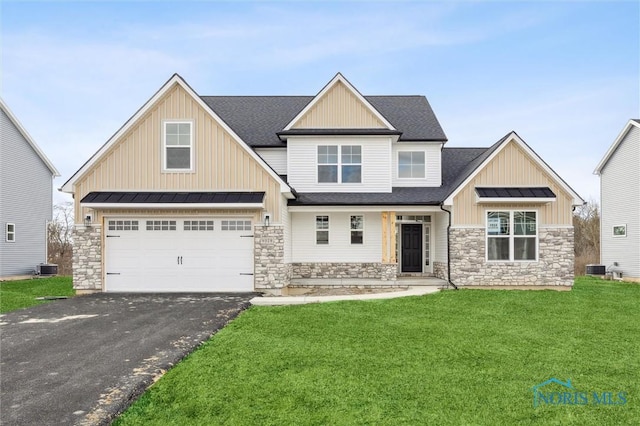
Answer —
367 282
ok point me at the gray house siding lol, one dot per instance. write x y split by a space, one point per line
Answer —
620 203
25 200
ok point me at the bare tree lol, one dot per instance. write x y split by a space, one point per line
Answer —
60 241
586 223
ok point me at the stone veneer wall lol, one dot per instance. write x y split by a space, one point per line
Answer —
382 271
87 259
554 266
270 271
440 270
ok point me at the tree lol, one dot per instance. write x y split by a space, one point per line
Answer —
60 238
586 223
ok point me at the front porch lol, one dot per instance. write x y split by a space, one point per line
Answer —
375 284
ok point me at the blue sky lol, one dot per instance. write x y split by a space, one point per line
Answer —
564 75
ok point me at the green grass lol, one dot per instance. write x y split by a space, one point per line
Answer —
22 294
455 357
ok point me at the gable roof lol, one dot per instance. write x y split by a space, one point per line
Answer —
339 79
630 124
479 163
28 138
259 119
175 79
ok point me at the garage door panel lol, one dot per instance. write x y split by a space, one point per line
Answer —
181 255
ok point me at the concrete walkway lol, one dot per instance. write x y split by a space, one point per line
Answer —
301 300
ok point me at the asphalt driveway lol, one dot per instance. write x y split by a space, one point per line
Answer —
82 360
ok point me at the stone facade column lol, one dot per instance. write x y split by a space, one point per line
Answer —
87 259
270 274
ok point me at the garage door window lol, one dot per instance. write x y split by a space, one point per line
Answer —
123 225
236 225
161 225
198 225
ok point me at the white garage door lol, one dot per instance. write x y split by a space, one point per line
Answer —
178 255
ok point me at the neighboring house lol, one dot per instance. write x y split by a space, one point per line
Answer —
26 185
243 193
619 172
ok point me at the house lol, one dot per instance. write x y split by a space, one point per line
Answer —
619 172
255 193
26 191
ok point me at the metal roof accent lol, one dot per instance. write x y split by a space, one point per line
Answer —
515 192
116 197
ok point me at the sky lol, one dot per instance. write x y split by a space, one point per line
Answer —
565 75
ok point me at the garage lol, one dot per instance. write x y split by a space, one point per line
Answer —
178 254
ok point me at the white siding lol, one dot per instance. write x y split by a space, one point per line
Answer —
432 158
285 219
274 157
620 203
440 222
25 200
376 164
339 249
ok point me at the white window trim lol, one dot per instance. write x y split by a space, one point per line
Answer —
339 164
12 233
351 230
511 235
424 169
315 229
191 169
624 225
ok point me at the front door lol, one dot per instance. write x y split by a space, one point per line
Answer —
411 247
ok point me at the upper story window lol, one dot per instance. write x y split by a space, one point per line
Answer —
344 168
512 236
178 145
10 233
411 164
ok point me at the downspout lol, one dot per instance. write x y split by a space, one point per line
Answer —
448 247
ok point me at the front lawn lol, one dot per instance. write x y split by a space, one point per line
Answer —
22 294
455 357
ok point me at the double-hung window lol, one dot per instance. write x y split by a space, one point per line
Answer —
343 168
512 236
356 226
322 229
178 145
411 164
10 233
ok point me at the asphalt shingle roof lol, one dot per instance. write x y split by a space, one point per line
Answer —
258 119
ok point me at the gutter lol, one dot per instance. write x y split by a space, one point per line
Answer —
448 247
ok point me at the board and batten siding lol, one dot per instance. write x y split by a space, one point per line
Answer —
512 166
339 108
134 162
339 249
432 159
25 200
303 164
274 157
620 205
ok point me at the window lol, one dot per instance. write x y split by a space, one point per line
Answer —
123 225
512 236
357 229
236 225
410 164
620 231
198 225
347 168
322 229
178 144
161 225
10 233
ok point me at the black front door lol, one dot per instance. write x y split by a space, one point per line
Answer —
411 248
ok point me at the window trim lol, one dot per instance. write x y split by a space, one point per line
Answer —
511 236
424 165
339 164
191 168
327 229
351 230
12 232
613 231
